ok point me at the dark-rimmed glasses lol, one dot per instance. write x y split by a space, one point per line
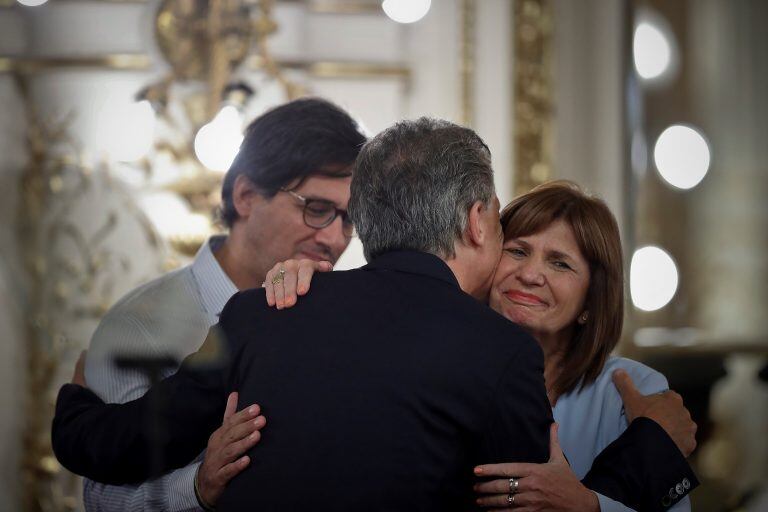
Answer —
319 213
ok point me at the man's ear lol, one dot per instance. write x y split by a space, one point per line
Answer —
476 232
244 193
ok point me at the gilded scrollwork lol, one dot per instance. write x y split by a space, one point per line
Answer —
71 272
533 93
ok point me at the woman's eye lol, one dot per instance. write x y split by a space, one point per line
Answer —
561 265
514 251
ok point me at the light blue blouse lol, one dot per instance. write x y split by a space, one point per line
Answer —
591 418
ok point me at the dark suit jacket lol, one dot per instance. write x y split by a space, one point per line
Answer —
382 389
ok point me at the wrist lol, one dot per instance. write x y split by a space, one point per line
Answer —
591 502
200 500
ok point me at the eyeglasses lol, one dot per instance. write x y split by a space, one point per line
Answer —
319 213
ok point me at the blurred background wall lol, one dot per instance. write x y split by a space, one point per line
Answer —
110 179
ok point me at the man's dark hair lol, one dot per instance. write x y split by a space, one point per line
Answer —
289 143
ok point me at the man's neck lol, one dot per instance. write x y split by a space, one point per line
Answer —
234 261
467 279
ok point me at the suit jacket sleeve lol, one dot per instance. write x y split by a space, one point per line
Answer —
643 469
164 429
520 415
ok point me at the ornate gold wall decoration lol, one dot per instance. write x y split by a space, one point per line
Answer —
533 93
189 32
70 277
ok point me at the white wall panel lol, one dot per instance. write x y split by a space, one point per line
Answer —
88 28
13 31
367 37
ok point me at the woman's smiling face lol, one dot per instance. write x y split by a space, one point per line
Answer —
542 280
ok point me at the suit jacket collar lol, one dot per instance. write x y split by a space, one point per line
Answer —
415 262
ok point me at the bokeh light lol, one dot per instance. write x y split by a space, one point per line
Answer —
653 278
652 51
406 11
682 156
217 143
129 130
32 3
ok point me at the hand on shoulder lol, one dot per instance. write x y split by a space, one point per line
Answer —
665 408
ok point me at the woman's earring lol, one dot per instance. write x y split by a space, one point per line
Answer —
584 317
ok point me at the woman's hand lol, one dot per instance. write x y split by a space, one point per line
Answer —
551 486
296 277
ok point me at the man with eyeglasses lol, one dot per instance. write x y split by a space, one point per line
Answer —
285 196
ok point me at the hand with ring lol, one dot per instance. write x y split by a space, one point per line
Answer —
525 487
289 279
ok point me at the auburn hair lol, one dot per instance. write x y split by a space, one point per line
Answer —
597 235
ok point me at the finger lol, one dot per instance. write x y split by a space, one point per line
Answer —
499 501
269 288
555 452
79 376
236 433
516 469
625 386
231 407
246 414
499 486
306 271
496 500
290 279
234 450
279 286
225 474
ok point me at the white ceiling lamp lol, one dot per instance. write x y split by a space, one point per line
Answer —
136 124
217 143
682 156
653 278
406 11
31 3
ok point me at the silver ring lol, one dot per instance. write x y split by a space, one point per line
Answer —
511 499
513 484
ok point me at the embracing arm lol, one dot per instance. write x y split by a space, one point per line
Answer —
646 467
123 333
116 444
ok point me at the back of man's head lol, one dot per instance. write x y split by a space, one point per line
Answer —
414 184
287 144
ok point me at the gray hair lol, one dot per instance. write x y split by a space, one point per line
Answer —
414 184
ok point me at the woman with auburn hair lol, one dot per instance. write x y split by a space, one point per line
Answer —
561 278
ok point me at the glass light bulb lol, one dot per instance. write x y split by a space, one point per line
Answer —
129 131
217 143
406 11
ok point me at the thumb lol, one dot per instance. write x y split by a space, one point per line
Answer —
231 405
625 386
79 375
555 452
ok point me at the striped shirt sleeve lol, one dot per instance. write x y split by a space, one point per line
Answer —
173 492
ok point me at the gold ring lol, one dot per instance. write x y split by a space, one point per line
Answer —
279 277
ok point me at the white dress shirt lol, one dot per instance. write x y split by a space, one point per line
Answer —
168 316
